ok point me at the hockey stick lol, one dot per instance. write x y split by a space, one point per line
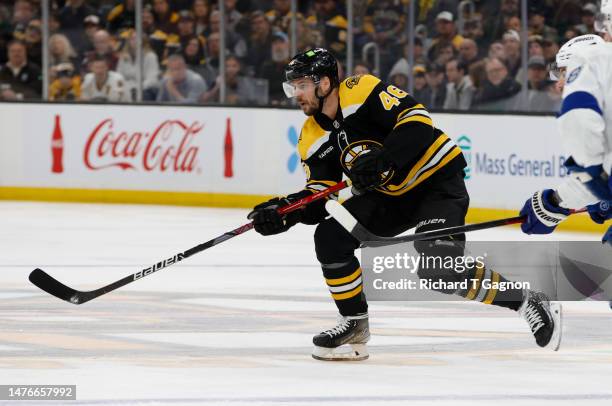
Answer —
52 286
369 239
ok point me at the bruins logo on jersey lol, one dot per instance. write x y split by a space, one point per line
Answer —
353 81
352 151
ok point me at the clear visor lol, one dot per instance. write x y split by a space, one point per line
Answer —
555 72
292 87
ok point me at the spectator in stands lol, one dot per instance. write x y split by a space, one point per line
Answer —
497 19
550 49
445 52
165 18
67 83
421 89
419 59
512 52
193 52
459 89
127 67
122 16
274 68
194 55
212 54
538 78
260 41
497 50
399 74
71 18
433 9
61 51
180 85
23 12
157 38
568 13
418 56
280 10
103 48
172 47
447 34
514 24
540 97
148 20
418 52
498 89
361 68
589 11
436 87
328 18
233 42
233 16
384 23
239 89
474 30
570 33
535 47
307 38
478 74
201 13
19 79
186 29
537 24
104 85
54 23
92 25
468 52
33 41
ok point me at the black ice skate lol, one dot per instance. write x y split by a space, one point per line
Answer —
351 330
543 318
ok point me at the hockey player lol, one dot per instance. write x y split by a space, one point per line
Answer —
586 76
405 173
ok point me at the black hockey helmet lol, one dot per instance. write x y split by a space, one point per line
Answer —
314 63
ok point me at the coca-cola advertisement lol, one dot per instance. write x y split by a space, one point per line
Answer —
57 147
159 148
170 146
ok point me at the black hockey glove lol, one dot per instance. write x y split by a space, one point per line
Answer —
368 169
268 221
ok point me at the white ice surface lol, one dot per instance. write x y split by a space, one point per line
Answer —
233 325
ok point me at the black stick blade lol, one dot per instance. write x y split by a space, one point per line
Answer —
52 286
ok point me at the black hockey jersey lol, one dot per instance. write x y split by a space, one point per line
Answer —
373 114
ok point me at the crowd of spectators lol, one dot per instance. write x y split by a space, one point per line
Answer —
463 59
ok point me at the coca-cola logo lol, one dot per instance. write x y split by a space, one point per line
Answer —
167 148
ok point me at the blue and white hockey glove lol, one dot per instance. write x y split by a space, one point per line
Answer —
543 216
600 212
584 186
607 238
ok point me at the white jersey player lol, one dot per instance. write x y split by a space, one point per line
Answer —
585 126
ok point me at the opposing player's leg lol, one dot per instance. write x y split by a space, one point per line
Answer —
445 205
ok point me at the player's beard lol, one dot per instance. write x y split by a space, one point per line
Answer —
311 109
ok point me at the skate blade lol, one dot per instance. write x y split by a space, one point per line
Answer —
556 310
350 352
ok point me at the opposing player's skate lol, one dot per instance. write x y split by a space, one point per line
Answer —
352 332
543 318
